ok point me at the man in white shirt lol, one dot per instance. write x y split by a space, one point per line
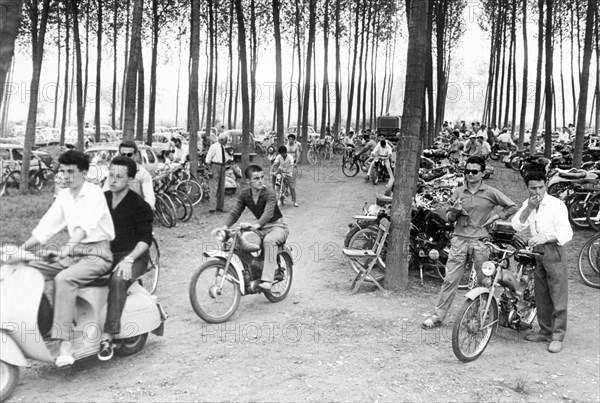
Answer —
383 151
216 158
548 221
484 147
505 139
181 151
81 207
142 183
285 163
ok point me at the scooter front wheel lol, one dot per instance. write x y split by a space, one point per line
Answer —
9 377
214 294
131 345
474 328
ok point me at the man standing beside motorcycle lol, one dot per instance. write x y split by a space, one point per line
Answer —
86 256
132 218
216 158
262 202
548 220
285 163
472 210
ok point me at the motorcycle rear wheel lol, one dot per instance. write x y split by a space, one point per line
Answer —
577 209
131 345
470 337
9 377
593 213
209 303
588 263
284 275
350 168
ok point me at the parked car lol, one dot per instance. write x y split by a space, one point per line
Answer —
312 134
11 154
101 154
234 140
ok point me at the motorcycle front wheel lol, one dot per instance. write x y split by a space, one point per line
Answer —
350 168
283 279
211 302
473 330
9 377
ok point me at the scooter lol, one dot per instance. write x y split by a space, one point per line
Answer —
26 319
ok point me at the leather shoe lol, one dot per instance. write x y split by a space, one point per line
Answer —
555 346
537 337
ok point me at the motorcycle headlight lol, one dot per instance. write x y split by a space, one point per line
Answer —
221 235
488 268
434 254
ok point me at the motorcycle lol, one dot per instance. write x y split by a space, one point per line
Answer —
379 172
483 312
235 270
562 182
281 186
27 319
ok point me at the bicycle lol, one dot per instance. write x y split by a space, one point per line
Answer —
149 280
312 154
588 263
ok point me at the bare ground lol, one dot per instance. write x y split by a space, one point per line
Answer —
322 343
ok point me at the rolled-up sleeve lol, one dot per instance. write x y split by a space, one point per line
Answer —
563 231
509 206
52 222
516 222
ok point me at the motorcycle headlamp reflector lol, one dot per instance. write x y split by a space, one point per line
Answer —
434 254
221 235
488 268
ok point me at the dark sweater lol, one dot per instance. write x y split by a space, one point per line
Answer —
265 210
132 220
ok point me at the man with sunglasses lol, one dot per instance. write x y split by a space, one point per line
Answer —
269 225
142 183
472 208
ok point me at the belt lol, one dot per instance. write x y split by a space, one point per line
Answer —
217 163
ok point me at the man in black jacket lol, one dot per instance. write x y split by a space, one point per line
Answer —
132 218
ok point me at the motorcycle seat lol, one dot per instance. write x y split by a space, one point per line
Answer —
572 173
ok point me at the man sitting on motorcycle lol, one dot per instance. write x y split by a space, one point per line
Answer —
132 218
382 152
86 256
262 202
285 163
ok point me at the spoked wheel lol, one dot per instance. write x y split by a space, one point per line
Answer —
149 280
558 189
578 212
283 279
593 213
589 262
9 377
183 205
365 239
164 212
10 186
474 327
192 189
214 294
515 163
350 168
312 157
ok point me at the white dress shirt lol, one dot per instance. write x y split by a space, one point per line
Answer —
87 211
551 218
215 155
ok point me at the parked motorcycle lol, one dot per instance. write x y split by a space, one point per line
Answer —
482 311
235 270
27 319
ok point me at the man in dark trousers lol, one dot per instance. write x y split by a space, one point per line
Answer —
216 158
132 218
548 221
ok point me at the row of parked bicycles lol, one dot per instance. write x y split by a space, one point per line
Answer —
40 176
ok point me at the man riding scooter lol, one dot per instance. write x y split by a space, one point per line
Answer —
132 218
86 256
382 152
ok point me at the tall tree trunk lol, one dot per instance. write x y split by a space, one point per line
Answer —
351 80
153 62
135 56
338 90
179 35
509 76
440 12
289 116
312 5
6 101
244 75
562 80
513 35
409 149
525 72
572 53
253 63
597 124
37 40
300 45
10 15
65 105
549 54
125 70
585 77
113 108
211 35
193 117
278 75
58 65
427 126
141 97
87 56
230 48
79 78
98 69
360 67
538 78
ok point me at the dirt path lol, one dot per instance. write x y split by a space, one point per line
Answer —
322 343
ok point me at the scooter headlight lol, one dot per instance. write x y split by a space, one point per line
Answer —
488 268
434 254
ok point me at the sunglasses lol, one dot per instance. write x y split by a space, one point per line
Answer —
127 154
471 171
